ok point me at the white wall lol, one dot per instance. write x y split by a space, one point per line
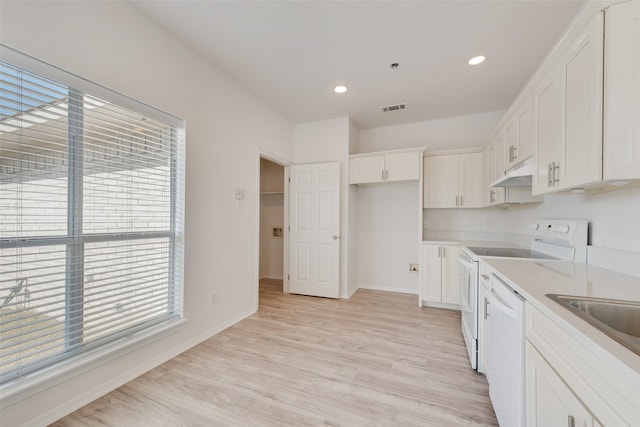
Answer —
384 253
443 134
328 141
271 215
271 247
388 237
353 214
614 216
465 224
112 44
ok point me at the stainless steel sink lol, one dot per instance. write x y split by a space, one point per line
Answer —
618 319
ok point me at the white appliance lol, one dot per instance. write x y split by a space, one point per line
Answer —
469 304
564 240
521 175
505 353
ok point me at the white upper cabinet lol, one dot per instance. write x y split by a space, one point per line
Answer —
547 98
518 133
494 195
441 181
568 116
470 183
582 84
453 181
622 92
402 166
366 169
385 167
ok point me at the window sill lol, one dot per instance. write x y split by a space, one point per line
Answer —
37 382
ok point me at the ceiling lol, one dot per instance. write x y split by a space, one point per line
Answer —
292 53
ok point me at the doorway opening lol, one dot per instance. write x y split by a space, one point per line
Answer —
272 240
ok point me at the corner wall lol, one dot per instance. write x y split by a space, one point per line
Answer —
111 43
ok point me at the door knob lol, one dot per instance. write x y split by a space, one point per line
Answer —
334 237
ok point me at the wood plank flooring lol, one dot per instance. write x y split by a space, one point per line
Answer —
374 360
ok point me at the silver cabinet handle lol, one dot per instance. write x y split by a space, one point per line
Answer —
556 173
456 200
334 237
485 277
486 308
571 421
382 174
460 201
515 152
550 175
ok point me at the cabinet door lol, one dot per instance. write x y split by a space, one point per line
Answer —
470 183
550 402
524 119
496 194
581 69
366 169
431 267
510 143
441 181
547 111
450 274
403 166
622 92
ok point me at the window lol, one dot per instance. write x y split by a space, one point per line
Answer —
91 197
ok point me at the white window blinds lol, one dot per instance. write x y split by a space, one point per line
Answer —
91 196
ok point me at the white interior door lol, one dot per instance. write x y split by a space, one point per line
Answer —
315 229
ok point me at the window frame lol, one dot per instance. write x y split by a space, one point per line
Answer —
74 240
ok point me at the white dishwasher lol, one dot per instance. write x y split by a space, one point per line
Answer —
505 353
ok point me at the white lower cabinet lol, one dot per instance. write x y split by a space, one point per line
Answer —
439 275
570 384
550 402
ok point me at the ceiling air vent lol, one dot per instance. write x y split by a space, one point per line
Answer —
394 107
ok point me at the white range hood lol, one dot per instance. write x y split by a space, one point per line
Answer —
521 175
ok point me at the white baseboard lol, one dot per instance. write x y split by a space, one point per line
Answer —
349 293
440 305
99 391
388 289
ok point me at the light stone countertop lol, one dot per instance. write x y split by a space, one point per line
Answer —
533 279
475 243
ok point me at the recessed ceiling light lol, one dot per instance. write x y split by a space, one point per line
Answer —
477 60
340 89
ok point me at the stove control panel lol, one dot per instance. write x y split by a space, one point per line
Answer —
566 239
568 230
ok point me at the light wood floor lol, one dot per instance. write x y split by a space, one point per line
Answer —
374 360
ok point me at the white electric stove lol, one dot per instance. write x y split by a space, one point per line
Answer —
562 240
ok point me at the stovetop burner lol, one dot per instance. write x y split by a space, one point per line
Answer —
510 253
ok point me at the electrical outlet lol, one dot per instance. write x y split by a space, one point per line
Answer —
413 268
212 298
